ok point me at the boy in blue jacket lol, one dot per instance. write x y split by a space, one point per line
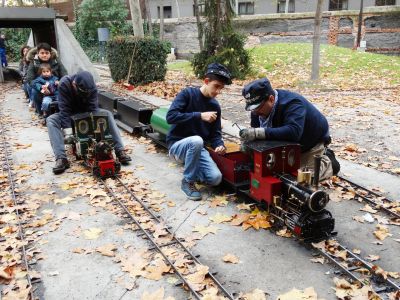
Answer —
195 116
288 116
47 86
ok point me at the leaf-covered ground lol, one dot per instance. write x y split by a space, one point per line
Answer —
358 92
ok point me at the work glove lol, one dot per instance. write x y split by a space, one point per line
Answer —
68 136
251 134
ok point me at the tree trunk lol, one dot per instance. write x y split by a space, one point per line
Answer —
161 21
199 25
316 42
360 20
3 3
178 12
136 15
148 16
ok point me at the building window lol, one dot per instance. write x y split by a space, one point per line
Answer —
282 6
167 12
246 8
201 7
338 5
385 2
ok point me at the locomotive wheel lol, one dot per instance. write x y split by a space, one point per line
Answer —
96 171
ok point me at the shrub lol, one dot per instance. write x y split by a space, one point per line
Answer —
15 39
231 54
148 57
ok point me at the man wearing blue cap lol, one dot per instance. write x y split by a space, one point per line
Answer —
195 116
287 116
77 94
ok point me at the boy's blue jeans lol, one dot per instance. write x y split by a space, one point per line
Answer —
3 57
27 89
199 165
46 103
57 138
37 98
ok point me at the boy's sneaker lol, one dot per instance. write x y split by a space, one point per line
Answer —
190 190
335 163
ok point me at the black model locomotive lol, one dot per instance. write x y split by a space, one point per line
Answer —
94 144
268 171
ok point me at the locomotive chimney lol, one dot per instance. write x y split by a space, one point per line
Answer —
317 165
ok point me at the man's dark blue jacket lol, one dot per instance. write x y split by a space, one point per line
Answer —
185 116
70 103
295 119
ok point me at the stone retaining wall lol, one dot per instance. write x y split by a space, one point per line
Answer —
380 30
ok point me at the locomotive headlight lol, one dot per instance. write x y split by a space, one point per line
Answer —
317 201
291 158
101 121
83 127
270 160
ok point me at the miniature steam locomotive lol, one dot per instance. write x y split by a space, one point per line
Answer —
267 171
94 144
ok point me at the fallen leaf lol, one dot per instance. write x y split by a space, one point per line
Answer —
244 206
204 230
320 260
295 294
220 218
64 200
107 250
230 258
256 294
92 233
382 232
373 257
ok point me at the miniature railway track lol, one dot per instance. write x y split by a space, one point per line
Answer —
354 267
174 242
377 201
6 161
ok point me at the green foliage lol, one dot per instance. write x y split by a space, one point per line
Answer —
15 39
222 44
93 14
231 54
148 57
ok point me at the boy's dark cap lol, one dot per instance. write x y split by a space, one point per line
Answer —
221 71
85 81
256 92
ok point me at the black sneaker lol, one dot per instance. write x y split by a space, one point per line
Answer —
123 157
61 165
335 163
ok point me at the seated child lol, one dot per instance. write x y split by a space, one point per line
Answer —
47 85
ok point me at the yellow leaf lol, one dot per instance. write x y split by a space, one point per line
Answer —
92 233
295 294
157 295
256 294
107 250
230 258
204 230
220 218
218 201
373 257
244 206
64 200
